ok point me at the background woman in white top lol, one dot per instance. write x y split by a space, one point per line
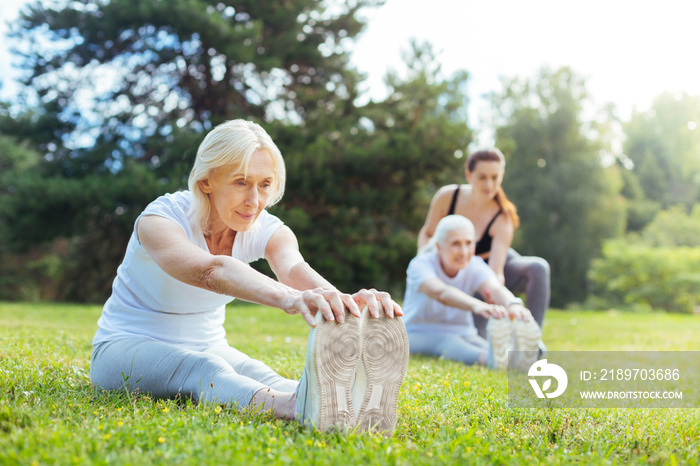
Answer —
495 218
439 303
161 330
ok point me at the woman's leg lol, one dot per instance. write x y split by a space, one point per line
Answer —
165 371
256 370
468 350
531 275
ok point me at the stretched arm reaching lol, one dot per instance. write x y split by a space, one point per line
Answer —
170 248
499 294
454 297
282 253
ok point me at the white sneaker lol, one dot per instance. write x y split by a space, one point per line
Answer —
383 368
324 395
528 337
499 333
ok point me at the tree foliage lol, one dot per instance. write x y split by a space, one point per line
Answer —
634 274
664 144
567 201
127 89
673 227
359 186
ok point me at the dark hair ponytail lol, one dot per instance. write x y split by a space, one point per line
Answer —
495 155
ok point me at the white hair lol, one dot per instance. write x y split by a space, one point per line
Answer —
231 144
444 226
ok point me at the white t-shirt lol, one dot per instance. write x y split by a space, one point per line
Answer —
424 314
147 302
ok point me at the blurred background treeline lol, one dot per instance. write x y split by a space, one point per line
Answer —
117 95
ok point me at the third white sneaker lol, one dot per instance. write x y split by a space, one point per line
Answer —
500 336
528 336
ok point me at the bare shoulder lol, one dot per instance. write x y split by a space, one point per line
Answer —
444 194
283 238
502 225
153 228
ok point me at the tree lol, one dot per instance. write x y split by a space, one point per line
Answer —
664 144
359 179
359 185
567 201
126 90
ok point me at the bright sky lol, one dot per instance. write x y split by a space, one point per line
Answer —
629 50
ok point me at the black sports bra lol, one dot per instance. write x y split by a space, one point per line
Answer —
484 244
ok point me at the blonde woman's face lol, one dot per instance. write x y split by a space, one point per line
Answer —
486 178
456 250
237 200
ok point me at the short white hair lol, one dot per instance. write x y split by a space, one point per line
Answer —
231 144
444 226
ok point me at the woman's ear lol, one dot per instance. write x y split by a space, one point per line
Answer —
468 175
204 185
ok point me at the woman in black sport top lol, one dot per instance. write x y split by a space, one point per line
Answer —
495 218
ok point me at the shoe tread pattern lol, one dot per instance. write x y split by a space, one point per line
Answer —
500 333
528 336
337 355
385 357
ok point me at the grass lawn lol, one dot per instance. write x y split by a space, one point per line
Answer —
448 413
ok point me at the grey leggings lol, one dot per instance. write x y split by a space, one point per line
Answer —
529 274
220 374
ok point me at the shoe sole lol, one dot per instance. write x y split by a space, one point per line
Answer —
500 336
337 356
385 359
528 335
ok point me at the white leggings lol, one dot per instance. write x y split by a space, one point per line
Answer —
219 374
465 349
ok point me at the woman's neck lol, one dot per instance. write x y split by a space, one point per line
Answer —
479 202
450 272
220 240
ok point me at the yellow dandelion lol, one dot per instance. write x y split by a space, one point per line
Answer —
217 410
165 410
161 439
106 436
120 423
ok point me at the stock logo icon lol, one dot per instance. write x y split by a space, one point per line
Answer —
541 369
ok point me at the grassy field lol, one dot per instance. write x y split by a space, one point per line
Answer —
449 413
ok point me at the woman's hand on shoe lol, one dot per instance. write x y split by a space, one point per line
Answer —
490 310
377 302
331 303
518 311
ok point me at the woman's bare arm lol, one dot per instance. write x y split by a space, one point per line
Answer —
454 297
501 239
170 248
290 268
439 207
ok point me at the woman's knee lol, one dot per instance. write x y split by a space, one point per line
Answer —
538 268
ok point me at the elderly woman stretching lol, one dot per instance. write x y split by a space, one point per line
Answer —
161 331
439 304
